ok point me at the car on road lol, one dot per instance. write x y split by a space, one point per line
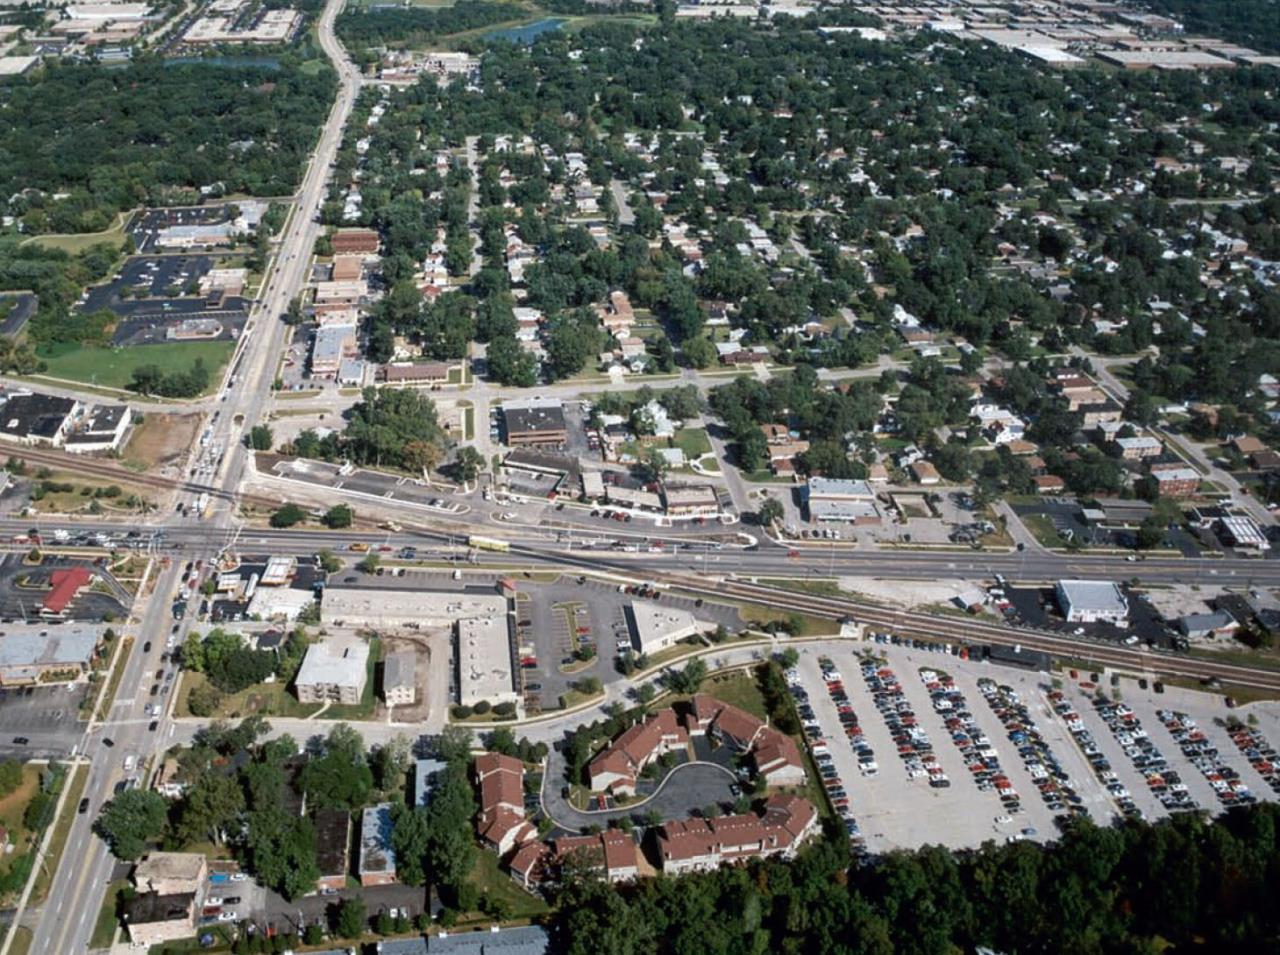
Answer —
20 741
146 647
108 742
151 727
84 806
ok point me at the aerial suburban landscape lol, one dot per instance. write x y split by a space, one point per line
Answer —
639 476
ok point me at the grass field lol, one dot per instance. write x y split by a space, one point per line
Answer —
12 807
114 367
104 929
739 689
264 699
75 243
489 879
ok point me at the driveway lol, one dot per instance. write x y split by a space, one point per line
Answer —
687 788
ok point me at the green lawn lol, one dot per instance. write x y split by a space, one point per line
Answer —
739 689
75 243
693 442
104 929
113 367
488 877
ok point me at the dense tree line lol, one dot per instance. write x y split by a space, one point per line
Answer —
151 132
418 27
1181 883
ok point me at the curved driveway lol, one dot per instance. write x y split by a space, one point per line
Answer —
688 787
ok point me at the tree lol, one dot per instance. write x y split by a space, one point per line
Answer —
10 776
699 352
259 437
771 510
397 427
288 516
502 740
689 679
411 838
208 809
281 851
469 463
338 517
369 563
352 918
451 846
131 820
341 778
329 562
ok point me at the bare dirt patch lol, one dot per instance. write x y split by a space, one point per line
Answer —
161 442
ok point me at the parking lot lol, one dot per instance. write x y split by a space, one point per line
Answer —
151 293
888 730
45 717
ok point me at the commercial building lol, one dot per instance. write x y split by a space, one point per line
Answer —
831 499
330 347
32 418
65 586
355 241
29 657
656 627
485 668
377 856
334 670
405 609
102 428
333 847
690 500
415 373
279 603
537 422
1244 533
164 910
399 684
699 844
1092 601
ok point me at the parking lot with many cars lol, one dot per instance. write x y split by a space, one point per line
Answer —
1064 746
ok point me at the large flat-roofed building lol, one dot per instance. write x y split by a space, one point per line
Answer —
333 671
535 422
102 428
1092 601
831 499
37 419
1180 59
485 670
331 345
405 609
170 873
31 657
377 856
655 627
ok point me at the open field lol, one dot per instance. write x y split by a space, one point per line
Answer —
114 367
75 243
160 440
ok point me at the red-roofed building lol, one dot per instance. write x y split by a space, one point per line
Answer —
612 853
617 768
64 587
694 844
501 823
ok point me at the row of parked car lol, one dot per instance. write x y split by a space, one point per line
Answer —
1260 754
862 750
822 758
975 746
1047 773
1199 749
1093 753
915 749
1165 783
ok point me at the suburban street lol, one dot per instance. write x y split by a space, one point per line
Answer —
67 919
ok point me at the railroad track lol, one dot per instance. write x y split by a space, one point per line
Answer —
972 632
